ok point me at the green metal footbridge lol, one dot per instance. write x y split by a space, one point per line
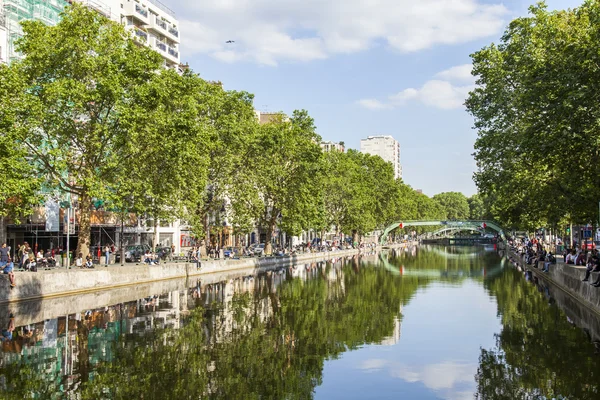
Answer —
445 226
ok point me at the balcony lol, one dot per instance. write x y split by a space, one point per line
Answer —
160 23
157 45
161 46
141 35
173 31
140 10
174 52
136 10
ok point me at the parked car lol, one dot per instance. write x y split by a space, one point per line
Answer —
163 252
135 252
259 250
229 252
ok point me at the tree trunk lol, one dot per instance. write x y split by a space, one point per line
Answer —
270 230
155 236
2 230
355 238
85 226
207 230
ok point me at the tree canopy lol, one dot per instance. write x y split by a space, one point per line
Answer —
454 204
536 115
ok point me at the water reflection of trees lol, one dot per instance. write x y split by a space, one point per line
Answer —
271 343
538 354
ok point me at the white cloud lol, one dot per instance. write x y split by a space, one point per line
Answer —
271 31
461 73
373 104
437 93
446 378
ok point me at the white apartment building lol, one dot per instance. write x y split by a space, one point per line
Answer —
385 147
152 23
328 146
3 38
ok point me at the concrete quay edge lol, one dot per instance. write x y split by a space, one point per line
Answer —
69 282
568 278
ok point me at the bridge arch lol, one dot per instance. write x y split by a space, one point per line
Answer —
453 229
445 224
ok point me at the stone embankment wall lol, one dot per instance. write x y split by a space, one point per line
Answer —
65 282
569 279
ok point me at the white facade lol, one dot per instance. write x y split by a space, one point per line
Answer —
385 147
328 146
3 39
155 26
152 23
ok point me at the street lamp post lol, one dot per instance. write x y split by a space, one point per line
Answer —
121 239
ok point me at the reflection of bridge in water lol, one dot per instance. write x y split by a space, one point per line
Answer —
485 272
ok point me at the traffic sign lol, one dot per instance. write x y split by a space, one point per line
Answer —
587 234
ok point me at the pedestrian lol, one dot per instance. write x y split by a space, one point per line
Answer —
198 259
79 261
8 269
106 255
88 261
4 255
24 253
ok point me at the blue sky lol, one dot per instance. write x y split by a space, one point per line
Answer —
360 68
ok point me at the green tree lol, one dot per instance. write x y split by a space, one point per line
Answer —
72 97
454 204
285 159
537 119
229 129
166 164
477 207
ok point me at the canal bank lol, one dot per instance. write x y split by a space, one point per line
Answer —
568 278
66 282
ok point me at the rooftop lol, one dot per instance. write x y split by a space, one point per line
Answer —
163 7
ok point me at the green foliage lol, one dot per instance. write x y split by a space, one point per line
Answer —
286 161
454 204
539 354
477 207
72 99
537 119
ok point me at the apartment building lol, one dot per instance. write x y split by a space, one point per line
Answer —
3 38
152 23
15 11
385 147
328 146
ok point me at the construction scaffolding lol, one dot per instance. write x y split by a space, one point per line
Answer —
15 11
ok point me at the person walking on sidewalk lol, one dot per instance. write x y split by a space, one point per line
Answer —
106 255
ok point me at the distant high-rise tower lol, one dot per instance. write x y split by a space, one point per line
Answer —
385 147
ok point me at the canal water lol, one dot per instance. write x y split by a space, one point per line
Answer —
424 323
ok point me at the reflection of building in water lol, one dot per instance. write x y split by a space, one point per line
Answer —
395 337
66 350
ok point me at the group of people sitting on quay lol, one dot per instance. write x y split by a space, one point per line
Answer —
533 252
